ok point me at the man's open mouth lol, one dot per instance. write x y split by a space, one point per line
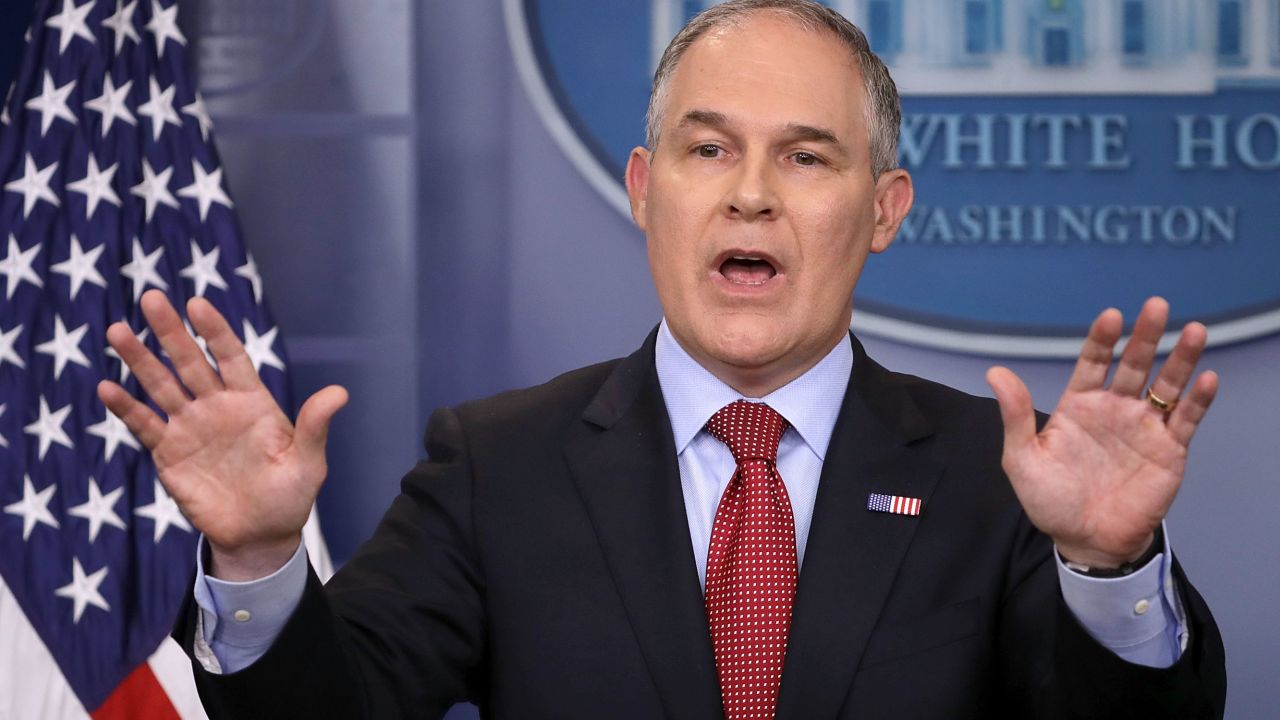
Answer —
748 269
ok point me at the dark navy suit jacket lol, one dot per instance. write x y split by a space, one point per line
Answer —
539 565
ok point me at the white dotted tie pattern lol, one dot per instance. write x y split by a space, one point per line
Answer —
751 566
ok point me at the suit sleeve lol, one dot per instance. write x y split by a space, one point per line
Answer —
398 632
1053 668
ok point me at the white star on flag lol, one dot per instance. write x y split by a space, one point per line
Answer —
7 353
81 267
4 442
64 347
205 188
112 104
249 271
34 185
48 427
96 186
197 110
154 189
99 509
141 269
70 23
33 507
164 24
16 267
258 348
83 589
164 511
121 23
4 110
114 433
159 108
203 270
51 103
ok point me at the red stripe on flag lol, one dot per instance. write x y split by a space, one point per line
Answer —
138 696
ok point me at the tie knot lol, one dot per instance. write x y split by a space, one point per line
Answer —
751 430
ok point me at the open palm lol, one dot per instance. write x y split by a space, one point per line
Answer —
235 465
1102 473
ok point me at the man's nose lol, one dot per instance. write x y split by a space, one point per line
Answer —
753 194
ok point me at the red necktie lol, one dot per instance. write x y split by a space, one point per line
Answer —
751 566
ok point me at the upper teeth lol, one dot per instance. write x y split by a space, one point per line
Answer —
745 257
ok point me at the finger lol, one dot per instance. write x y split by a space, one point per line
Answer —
141 420
1180 364
156 379
188 360
234 364
1185 418
1016 411
1095 355
1140 353
312 429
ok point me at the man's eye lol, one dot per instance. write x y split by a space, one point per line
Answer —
708 151
806 159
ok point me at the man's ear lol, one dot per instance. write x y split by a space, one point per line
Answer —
637 179
894 195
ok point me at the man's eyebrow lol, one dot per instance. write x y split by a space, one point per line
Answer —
793 131
708 118
812 134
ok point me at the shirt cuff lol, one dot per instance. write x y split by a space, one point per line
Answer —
1137 616
247 616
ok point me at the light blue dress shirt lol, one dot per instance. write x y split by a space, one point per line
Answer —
1137 617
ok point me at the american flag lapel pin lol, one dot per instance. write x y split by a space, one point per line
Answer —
894 504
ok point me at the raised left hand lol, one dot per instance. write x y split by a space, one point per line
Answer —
1101 475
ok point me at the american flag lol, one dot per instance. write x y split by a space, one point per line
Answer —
111 186
895 504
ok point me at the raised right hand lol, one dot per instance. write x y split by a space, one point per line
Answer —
237 468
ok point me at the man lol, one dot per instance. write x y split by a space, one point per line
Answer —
632 540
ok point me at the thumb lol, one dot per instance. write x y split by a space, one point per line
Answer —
1016 411
312 429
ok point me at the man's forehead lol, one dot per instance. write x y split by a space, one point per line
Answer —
768 71
764 47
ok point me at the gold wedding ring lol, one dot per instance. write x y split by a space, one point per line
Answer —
1164 406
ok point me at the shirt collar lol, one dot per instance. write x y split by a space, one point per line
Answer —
810 403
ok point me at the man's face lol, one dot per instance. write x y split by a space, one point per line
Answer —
758 204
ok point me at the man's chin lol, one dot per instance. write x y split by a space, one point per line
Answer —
747 342
749 357
741 342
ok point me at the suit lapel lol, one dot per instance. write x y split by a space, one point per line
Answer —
623 461
853 554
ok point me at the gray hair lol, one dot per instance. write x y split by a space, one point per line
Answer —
883 111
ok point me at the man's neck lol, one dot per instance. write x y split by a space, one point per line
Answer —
757 382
